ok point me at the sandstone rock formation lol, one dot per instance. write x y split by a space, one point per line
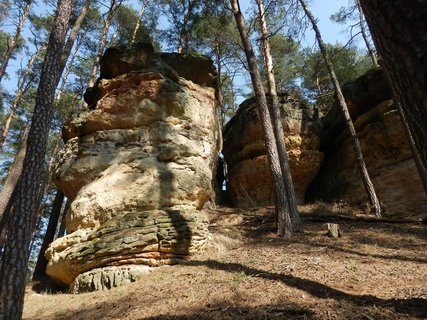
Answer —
138 167
249 179
385 149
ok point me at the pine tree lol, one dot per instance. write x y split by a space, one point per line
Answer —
28 193
11 46
369 187
282 210
275 114
399 28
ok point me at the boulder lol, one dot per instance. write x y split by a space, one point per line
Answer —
385 148
139 166
249 179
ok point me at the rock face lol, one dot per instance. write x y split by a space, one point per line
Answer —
249 179
138 167
385 149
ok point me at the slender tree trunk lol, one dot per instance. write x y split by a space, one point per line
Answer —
12 45
22 88
138 23
283 218
39 270
180 48
8 191
27 192
220 96
113 6
113 38
67 71
21 91
275 115
398 28
369 187
371 50
73 34
61 230
422 171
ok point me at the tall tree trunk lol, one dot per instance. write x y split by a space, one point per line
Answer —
398 28
21 91
276 116
27 192
12 45
22 88
67 71
371 50
112 8
220 96
422 171
369 187
39 270
138 23
8 191
61 229
73 34
282 210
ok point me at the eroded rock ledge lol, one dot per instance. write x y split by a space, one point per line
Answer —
249 179
138 167
385 148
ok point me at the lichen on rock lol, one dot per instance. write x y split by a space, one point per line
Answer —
138 166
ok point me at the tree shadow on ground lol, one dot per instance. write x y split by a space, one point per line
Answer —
359 231
223 311
412 307
348 306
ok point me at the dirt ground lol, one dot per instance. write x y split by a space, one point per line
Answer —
375 270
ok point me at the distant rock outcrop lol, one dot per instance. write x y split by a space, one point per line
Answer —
385 149
138 167
249 179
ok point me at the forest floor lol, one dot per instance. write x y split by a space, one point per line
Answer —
375 270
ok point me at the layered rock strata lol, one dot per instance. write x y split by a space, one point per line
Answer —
138 166
249 179
385 148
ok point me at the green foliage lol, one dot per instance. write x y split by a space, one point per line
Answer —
5 39
4 10
348 62
345 14
288 61
124 21
183 17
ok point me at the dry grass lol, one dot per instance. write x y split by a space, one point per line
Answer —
374 271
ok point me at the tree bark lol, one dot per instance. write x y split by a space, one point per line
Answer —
8 191
11 46
39 270
371 51
61 229
22 88
369 187
284 223
276 116
138 23
27 192
422 171
398 28
73 34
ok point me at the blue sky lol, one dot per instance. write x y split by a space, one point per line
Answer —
321 9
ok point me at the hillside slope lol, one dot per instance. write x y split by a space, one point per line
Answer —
376 270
